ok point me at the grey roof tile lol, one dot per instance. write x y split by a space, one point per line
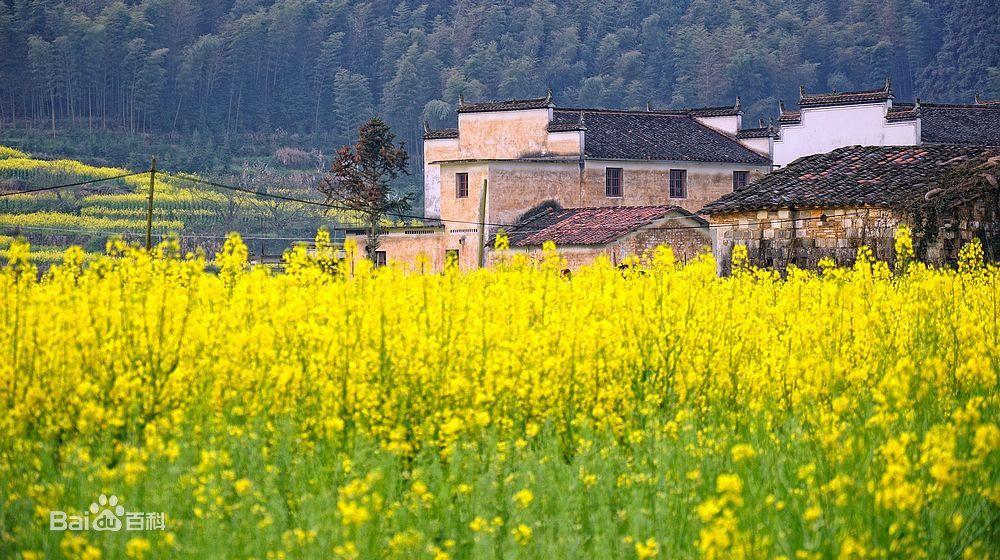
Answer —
655 135
589 226
880 176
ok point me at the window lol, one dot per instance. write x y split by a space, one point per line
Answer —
678 183
740 179
379 258
451 258
613 182
461 185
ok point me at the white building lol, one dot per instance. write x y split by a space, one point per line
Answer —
827 121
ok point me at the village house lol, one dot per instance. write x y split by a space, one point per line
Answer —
828 205
826 121
507 159
615 232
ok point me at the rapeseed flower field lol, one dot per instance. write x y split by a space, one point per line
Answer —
350 412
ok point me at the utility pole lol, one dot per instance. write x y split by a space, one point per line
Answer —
149 207
481 255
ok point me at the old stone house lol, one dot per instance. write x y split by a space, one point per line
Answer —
826 121
615 232
828 205
508 158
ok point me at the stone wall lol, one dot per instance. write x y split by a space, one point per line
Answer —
777 238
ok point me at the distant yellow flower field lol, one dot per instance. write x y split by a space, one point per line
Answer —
346 412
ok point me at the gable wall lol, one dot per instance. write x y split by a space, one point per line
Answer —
503 134
436 150
822 129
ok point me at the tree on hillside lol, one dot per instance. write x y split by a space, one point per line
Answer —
360 178
352 100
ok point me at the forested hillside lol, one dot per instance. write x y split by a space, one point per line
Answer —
221 69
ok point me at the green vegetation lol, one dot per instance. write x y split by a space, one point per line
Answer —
88 215
207 83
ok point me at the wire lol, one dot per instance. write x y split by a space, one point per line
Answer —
78 184
513 228
160 235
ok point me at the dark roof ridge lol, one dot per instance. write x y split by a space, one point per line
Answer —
440 133
657 112
829 93
640 206
505 104
684 112
988 105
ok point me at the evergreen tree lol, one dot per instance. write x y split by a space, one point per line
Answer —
352 102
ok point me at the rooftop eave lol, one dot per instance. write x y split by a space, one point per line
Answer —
442 134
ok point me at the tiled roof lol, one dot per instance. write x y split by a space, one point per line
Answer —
960 124
730 111
509 105
879 176
566 126
589 226
759 132
902 113
845 98
441 133
655 135
789 117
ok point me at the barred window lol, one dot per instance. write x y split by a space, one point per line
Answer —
461 185
678 183
740 179
613 182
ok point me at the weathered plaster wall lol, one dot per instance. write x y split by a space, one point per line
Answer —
436 150
503 134
681 235
564 143
727 125
462 209
822 129
760 145
406 249
649 183
516 188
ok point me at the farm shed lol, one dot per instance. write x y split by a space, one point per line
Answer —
828 205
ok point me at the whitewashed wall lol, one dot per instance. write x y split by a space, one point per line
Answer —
822 129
